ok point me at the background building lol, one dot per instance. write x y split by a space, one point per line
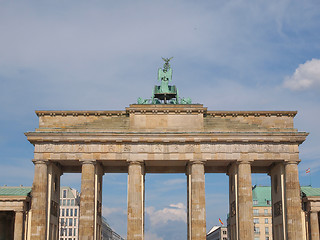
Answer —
69 213
311 207
262 212
69 217
14 212
218 233
108 233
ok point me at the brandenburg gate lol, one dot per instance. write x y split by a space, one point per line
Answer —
167 134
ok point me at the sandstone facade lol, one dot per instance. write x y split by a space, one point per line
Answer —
170 138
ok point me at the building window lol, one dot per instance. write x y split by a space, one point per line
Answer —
255 202
75 222
68 202
267 238
267 230
64 194
266 220
256 220
67 212
70 221
62 212
64 202
74 232
256 238
266 211
256 212
224 232
72 202
257 230
75 212
71 212
268 202
70 232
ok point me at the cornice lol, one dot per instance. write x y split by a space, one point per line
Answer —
165 109
80 113
134 137
251 113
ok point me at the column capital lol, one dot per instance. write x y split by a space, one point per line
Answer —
244 161
135 162
19 211
88 161
313 211
191 162
287 162
40 161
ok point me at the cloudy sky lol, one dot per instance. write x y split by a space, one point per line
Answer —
228 55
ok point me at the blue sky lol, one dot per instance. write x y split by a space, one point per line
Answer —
228 55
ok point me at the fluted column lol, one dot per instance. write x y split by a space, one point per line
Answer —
87 201
196 201
278 201
293 201
314 225
135 229
18 225
39 201
233 202
245 215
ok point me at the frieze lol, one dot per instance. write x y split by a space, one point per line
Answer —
206 148
174 148
277 209
158 148
171 147
126 148
233 209
190 148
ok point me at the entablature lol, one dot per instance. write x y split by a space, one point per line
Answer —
118 137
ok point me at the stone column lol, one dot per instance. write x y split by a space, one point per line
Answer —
39 201
135 229
54 173
245 215
314 225
196 201
293 201
87 201
278 201
98 200
233 202
19 225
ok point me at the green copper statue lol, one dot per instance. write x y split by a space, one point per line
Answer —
165 75
165 93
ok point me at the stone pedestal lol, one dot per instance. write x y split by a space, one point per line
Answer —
245 215
18 225
39 201
314 225
135 229
293 201
87 201
196 201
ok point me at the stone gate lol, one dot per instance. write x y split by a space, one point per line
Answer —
167 138
167 134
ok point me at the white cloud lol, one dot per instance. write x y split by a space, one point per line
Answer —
175 212
108 211
306 76
152 236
